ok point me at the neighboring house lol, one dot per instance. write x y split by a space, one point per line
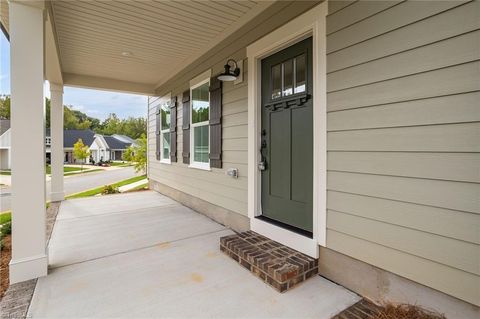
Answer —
102 147
350 133
70 137
109 148
5 142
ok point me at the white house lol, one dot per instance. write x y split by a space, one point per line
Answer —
102 147
109 148
5 142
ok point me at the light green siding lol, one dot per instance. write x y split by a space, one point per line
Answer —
215 186
404 140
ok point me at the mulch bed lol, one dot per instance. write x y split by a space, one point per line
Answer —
6 255
365 309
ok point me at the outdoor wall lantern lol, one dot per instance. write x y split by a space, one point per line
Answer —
229 75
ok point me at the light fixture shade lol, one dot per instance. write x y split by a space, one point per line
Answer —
228 75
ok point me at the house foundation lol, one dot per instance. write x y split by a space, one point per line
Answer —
219 214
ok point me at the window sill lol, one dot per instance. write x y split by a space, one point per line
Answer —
165 161
202 166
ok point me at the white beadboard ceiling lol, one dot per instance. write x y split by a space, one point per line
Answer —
162 36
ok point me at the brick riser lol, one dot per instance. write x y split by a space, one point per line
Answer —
275 264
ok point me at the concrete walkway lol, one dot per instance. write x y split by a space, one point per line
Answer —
144 255
131 186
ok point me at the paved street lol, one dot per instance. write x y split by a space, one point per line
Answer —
75 184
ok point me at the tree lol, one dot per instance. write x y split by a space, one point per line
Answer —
5 107
137 153
80 152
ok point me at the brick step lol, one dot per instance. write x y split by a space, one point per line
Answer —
275 264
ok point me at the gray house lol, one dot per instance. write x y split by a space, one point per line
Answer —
70 137
346 130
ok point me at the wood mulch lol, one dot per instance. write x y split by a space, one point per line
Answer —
365 309
5 256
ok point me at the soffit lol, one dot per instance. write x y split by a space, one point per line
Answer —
159 37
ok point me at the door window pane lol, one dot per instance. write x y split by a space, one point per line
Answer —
300 74
166 145
165 113
200 103
276 81
288 78
200 144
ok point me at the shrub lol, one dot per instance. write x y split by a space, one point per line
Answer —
110 189
6 228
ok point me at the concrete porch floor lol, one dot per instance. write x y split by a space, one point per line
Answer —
145 255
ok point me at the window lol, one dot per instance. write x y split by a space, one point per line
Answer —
200 107
289 77
165 132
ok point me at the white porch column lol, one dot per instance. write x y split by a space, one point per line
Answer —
56 134
29 258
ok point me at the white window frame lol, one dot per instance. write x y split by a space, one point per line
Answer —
309 24
194 83
165 100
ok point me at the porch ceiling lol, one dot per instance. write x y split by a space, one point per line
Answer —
137 45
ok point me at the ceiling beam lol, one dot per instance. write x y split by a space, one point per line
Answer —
53 66
99 83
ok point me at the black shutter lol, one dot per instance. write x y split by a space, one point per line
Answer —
186 126
173 129
215 123
157 132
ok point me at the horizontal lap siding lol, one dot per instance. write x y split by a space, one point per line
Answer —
403 141
213 186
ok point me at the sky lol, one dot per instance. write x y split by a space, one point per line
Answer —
94 103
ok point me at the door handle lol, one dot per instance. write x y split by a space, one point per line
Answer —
262 165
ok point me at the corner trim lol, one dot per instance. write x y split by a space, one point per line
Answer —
28 268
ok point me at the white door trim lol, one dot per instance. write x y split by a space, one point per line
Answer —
311 23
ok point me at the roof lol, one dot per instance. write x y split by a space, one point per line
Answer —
4 126
71 137
115 144
124 138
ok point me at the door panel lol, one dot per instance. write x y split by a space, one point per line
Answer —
287 137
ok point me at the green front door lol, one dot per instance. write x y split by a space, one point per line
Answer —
287 137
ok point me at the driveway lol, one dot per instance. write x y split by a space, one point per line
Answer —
145 255
74 184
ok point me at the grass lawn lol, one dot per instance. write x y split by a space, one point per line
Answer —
65 169
121 164
5 217
84 172
98 190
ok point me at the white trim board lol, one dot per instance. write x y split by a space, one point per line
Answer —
312 23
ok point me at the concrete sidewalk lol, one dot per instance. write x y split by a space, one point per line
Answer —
131 186
145 255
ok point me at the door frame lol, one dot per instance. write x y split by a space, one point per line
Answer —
309 24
